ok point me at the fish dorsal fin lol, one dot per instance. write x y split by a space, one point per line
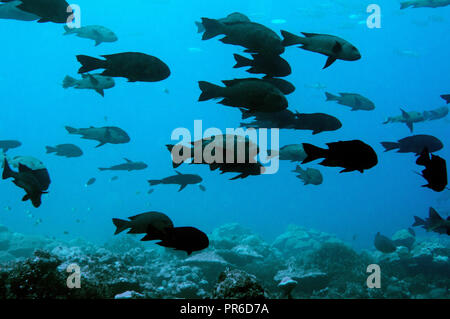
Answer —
310 35
229 83
434 215
178 173
405 114
83 76
24 168
337 47
127 160
135 217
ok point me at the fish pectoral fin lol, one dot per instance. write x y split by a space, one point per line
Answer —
100 91
337 47
25 198
410 126
330 61
182 187
101 144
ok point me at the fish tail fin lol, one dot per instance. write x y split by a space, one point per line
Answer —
389 146
7 172
69 30
212 28
154 182
200 27
71 130
331 97
69 82
120 224
89 63
418 221
291 39
241 61
387 120
313 152
209 91
50 149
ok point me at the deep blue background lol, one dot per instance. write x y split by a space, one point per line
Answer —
35 108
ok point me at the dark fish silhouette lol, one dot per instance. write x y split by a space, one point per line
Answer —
316 122
216 149
270 65
446 97
90 181
232 18
293 153
253 94
284 86
434 223
48 10
67 150
105 135
436 114
34 182
424 3
127 166
414 144
10 10
329 45
285 119
351 155
255 37
188 239
180 179
96 82
384 244
353 100
153 224
97 33
244 169
310 176
134 66
9 144
435 171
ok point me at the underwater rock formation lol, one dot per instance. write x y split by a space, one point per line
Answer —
300 263
237 284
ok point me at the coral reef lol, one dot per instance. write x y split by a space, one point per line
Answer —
300 263
237 284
